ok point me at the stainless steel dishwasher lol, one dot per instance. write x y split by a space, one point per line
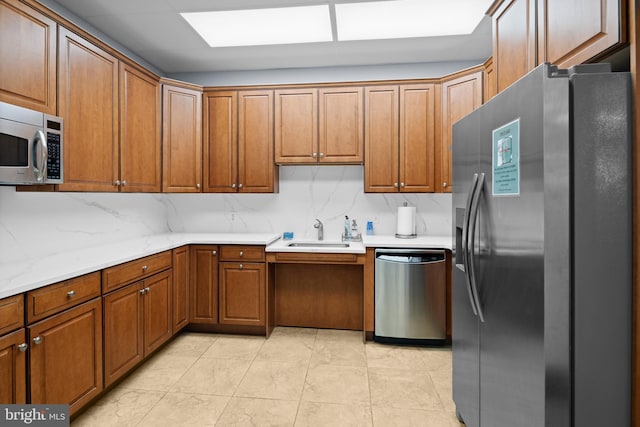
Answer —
410 296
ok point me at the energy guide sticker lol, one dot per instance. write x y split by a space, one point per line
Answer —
506 159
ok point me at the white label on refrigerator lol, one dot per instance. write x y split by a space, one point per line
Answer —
506 160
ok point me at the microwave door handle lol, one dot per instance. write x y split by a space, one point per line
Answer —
40 167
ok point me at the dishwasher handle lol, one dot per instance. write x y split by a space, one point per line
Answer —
410 256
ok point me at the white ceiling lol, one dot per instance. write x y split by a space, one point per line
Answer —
154 30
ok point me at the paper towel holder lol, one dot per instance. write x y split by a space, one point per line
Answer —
408 236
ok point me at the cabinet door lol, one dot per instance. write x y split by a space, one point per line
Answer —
221 142
88 86
460 97
157 323
489 79
181 140
256 169
242 293
381 139
417 138
66 356
204 284
13 370
180 288
571 32
341 128
27 57
296 126
123 341
514 41
140 144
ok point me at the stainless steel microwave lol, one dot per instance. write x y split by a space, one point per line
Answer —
31 146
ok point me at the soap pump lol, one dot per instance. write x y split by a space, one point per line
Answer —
347 228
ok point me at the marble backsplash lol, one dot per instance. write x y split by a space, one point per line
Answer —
38 224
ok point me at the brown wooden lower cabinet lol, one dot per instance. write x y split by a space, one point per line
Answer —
137 320
66 356
203 306
242 293
180 288
13 374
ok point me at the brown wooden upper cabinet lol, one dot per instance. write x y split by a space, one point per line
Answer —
112 120
181 139
574 31
527 33
460 96
319 125
400 138
27 57
238 148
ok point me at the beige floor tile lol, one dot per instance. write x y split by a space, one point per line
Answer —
314 414
120 407
184 409
340 353
437 359
159 373
400 388
304 333
336 384
287 349
235 347
339 335
189 344
213 376
395 357
243 411
442 380
273 380
396 417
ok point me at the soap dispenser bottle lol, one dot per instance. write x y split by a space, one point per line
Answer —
347 228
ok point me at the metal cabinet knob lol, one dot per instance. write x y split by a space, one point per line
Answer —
402 184
233 185
117 183
239 185
37 340
124 182
444 185
197 185
71 293
147 289
321 155
241 266
314 155
214 252
23 347
142 291
395 185
241 253
144 268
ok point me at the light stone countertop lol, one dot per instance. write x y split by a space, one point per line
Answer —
21 277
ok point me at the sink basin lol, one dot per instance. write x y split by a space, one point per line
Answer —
318 245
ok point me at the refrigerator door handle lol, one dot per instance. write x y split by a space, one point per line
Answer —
471 238
465 241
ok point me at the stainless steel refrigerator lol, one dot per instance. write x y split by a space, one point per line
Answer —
542 237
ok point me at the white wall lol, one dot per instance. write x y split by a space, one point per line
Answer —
38 224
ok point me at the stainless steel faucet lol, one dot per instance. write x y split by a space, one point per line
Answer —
320 226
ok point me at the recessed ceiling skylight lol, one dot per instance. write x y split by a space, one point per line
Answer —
407 18
283 25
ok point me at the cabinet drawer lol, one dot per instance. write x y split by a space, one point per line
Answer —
53 299
120 275
11 313
241 253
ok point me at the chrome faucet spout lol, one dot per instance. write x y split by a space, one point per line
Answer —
320 226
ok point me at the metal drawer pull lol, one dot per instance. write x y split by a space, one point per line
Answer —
241 266
144 268
241 253
23 347
214 252
71 293
37 340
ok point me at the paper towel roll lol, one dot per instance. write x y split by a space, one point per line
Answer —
406 221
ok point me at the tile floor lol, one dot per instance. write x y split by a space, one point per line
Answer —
297 377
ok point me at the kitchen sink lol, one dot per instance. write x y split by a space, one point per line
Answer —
318 245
